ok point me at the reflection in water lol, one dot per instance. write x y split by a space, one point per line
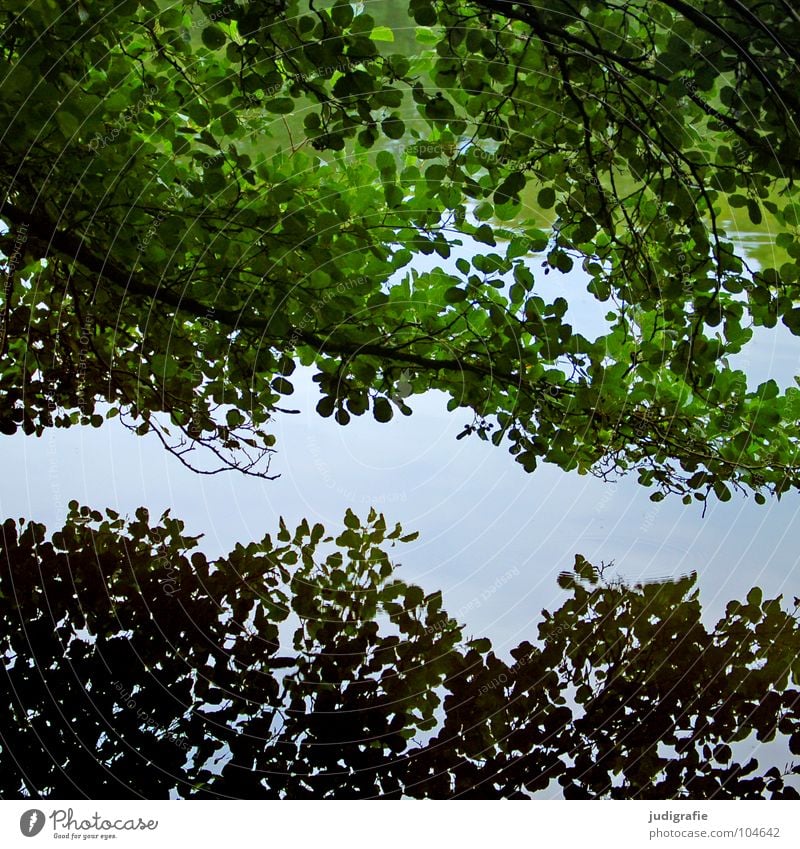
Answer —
297 667
618 580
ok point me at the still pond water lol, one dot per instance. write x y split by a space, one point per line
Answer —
491 537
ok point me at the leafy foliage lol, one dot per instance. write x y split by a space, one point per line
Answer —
303 666
211 194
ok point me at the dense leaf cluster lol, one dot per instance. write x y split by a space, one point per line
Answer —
180 259
304 666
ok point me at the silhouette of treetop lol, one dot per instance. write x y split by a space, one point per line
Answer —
303 666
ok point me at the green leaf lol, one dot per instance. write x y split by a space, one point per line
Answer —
483 211
213 37
393 127
342 13
721 491
284 387
425 35
485 234
792 320
755 597
414 597
385 161
280 105
67 123
546 197
382 34
455 295
382 409
326 406
351 520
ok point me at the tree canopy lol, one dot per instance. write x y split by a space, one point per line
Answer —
304 666
200 197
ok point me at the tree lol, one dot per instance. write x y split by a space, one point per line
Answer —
302 666
178 241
